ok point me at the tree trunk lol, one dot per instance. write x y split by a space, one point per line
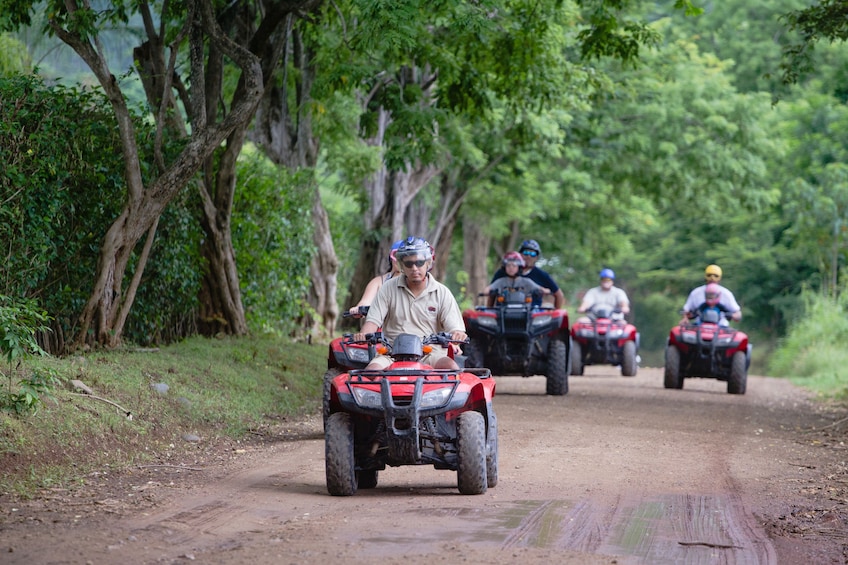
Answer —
326 265
476 247
101 320
390 195
285 135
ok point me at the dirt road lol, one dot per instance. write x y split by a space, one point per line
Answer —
618 471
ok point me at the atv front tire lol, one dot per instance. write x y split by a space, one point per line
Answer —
473 354
576 358
471 453
492 455
557 371
338 455
328 383
672 368
738 381
628 359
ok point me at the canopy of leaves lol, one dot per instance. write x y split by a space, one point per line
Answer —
14 58
825 20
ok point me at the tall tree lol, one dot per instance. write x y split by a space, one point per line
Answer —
824 20
416 65
194 29
284 130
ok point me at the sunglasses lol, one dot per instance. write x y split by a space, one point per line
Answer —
410 264
529 253
713 276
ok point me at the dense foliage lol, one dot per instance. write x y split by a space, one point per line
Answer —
272 235
57 186
61 186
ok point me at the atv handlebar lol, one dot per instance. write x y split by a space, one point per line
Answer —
376 338
361 313
443 339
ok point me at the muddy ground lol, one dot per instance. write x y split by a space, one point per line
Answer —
620 470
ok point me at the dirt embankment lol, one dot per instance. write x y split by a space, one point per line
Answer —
620 470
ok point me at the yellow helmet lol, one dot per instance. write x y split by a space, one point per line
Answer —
712 270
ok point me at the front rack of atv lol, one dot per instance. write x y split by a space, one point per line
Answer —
603 342
708 350
439 375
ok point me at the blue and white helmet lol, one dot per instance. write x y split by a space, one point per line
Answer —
530 244
414 246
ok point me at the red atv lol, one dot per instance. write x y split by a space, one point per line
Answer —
513 337
606 339
705 348
411 414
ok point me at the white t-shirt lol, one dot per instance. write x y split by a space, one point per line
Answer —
614 297
698 296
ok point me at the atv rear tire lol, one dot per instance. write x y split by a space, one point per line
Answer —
471 453
328 382
628 359
557 371
576 358
473 354
738 381
366 479
338 455
672 368
492 455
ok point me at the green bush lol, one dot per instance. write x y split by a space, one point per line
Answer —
20 320
813 351
272 237
62 185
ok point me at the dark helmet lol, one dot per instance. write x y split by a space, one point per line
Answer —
531 245
514 257
607 274
414 246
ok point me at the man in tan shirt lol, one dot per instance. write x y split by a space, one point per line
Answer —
415 303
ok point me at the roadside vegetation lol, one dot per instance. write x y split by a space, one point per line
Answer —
813 353
146 405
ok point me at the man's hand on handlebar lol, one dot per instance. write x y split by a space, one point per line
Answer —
356 312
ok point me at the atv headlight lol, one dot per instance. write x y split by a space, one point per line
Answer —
689 338
487 322
585 332
358 354
367 398
541 321
436 397
724 340
615 334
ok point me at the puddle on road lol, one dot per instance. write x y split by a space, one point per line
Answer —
671 529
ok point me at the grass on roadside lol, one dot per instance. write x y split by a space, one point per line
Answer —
813 353
215 388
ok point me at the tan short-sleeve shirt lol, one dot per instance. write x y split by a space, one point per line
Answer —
397 310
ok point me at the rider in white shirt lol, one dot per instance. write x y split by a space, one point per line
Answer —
606 294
